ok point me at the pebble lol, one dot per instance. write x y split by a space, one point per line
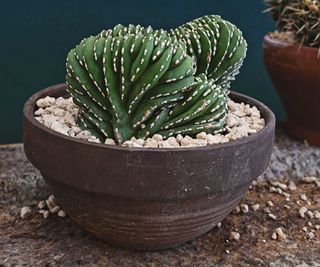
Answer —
244 208
54 209
179 137
302 212
157 137
234 236
25 212
255 207
309 179
173 142
270 203
140 142
287 195
237 209
280 234
292 186
272 216
51 203
61 114
41 204
202 136
188 141
272 189
109 141
45 102
62 214
267 210
46 214
165 144
151 143
128 143
310 235
316 214
310 214
278 184
303 197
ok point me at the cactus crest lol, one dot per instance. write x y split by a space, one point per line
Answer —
136 81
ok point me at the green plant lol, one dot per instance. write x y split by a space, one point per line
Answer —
301 17
136 81
217 46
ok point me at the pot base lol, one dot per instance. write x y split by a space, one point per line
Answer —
302 133
145 225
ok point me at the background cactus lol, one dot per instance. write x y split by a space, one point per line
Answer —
136 81
301 17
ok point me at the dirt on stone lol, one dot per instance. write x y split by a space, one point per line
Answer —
56 241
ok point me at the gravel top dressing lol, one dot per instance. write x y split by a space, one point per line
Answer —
276 224
61 115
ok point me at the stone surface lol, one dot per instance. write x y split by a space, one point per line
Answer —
56 241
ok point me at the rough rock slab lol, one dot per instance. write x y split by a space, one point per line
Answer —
58 242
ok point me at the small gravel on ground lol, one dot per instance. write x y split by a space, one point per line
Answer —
61 115
25 212
50 206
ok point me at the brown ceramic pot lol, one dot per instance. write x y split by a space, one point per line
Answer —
295 72
146 198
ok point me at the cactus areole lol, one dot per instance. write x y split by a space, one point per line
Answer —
136 81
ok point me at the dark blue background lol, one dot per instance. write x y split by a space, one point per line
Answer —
36 36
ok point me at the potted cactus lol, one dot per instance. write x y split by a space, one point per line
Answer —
292 58
155 104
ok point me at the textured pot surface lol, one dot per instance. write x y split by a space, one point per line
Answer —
295 72
142 198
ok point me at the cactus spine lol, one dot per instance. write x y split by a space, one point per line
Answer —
217 46
136 81
300 17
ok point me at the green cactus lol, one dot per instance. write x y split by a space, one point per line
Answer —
217 46
136 81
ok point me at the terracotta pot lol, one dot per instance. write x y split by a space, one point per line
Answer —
146 199
296 75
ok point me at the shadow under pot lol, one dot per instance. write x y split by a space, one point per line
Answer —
146 198
295 73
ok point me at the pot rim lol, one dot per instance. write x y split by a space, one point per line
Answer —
58 89
267 40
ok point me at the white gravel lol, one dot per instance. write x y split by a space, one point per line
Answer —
25 212
244 208
61 115
50 206
280 234
234 236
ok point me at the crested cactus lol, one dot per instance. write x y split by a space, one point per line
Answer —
217 46
136 81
